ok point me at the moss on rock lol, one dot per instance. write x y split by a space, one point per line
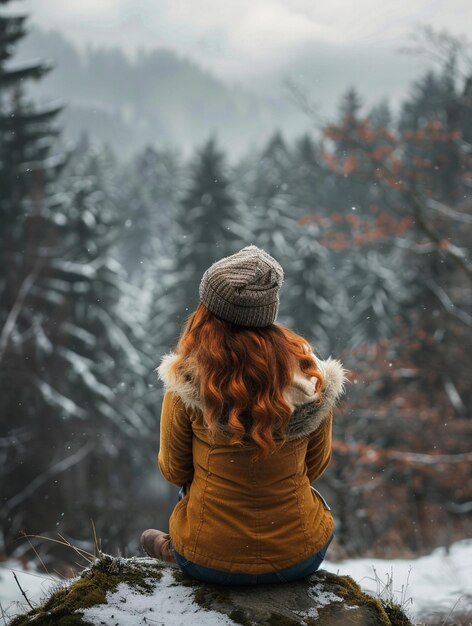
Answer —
363 609
64 606
396 614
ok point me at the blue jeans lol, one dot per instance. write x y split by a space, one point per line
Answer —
287 575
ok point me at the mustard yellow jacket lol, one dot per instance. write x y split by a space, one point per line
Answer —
241 515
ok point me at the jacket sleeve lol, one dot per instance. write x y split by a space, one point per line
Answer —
175 453
319 450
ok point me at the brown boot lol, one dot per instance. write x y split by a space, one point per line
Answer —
156 544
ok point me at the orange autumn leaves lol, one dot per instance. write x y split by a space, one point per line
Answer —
388 160
380 153
355 231
366 151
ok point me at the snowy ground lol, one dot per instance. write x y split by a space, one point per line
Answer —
438 581
34 583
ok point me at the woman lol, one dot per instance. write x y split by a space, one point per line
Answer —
246 426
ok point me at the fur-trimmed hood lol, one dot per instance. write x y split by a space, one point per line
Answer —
307 412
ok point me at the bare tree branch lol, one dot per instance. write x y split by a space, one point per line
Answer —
440 47
301 98
21 589
458 216
10 322
463 508
419 206
448 304
58 468
402 455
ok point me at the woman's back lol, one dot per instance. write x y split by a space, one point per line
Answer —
241 513
246 426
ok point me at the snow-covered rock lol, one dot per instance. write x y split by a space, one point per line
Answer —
143 591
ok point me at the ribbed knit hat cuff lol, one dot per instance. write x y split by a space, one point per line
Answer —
243 315
243 288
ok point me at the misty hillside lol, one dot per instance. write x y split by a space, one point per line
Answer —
155 97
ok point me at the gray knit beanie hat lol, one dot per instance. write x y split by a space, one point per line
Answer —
243 288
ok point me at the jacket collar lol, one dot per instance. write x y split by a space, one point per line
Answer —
307 412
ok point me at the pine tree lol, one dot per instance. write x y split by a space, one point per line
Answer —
431 123
308 179
350 107
380 116
346 136
208 224
311 287
150 194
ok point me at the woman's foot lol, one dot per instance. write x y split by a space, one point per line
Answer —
156 544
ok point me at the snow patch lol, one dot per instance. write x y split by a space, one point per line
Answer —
35 585
322 598
173 605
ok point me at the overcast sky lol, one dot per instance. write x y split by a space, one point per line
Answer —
237 37
327 43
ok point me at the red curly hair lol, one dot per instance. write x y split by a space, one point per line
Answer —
245 369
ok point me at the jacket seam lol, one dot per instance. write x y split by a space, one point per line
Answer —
258 532
169 466
301 514
202 501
